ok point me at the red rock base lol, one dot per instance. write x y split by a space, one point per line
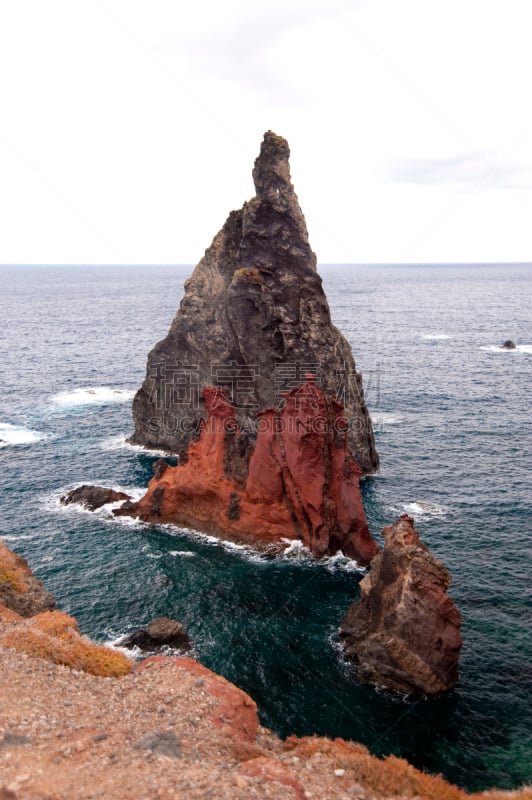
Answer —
299 482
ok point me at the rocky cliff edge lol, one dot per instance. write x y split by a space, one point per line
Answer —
169 729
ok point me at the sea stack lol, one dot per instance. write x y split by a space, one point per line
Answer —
404 632
254 319
256 390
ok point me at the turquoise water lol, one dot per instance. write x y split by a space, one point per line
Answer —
452 420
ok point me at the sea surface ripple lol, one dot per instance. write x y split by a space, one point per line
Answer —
452 419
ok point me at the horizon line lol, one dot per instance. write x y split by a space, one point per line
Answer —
320 264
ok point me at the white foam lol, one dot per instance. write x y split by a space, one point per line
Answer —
344 563
13 435
136 654
121 443
420 509
497 348
386 418
435 337
133 653
92 395
125 520
52 500
182 553
295 548
248 552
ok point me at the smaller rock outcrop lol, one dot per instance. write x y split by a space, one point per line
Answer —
299 480
404 632
93 497
161 632
507 345
20 590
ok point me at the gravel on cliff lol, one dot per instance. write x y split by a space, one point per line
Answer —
172 729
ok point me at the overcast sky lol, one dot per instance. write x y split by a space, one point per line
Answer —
128 128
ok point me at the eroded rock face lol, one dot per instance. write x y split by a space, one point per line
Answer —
404 632
93 497
254 319
299 481
20 590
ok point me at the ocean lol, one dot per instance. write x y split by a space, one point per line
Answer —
453 429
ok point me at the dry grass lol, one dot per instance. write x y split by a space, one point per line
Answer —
390 776
54 636
11 572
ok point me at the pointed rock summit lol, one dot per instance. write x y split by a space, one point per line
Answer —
253 321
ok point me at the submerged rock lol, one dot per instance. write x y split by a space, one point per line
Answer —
161 632
404 632
93 497
299 481
254 319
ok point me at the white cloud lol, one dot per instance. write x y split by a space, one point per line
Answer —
469 171
129 129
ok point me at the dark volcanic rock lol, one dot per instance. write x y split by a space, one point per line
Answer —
162 743
93 497
20 590
404 632
160 632
254 319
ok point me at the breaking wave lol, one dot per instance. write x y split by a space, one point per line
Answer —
497 348
52 500
381 418
12 435
121 443
92 395
419 509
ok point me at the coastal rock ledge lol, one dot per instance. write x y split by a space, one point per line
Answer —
404 632
254 319
167 728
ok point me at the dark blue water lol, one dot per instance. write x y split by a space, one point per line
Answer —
452 419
